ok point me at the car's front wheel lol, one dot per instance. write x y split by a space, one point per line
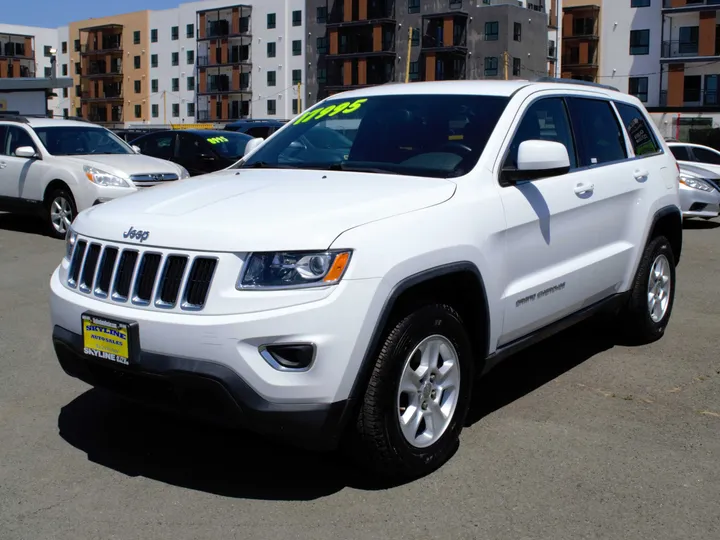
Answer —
60 212
415 404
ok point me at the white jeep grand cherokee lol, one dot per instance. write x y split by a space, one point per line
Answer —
56 168
344 296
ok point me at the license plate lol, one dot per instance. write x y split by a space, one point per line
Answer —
108 339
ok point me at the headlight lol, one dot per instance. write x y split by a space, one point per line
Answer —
287 270
70 238
102 178
183 172
696 183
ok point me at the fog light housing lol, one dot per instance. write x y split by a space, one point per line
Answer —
289 356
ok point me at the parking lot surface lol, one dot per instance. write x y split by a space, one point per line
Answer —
575 438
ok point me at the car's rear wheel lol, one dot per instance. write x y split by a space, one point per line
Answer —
60 212
415 404
647 313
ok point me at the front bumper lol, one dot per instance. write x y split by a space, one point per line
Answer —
203 389
698 203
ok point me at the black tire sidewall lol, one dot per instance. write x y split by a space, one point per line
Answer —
48 208
425 322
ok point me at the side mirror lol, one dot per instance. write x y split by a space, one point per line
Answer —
137 149
537 159
26 152
252 144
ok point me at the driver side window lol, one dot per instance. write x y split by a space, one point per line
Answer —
16 138
546 119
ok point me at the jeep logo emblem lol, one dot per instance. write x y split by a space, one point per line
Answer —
134 234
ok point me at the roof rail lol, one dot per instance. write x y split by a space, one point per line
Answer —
575 81
77 119
14 118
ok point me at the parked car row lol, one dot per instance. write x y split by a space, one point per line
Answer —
699 179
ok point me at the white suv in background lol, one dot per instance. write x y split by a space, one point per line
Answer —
346 299
58 168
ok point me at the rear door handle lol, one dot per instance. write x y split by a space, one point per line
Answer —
3 164
584 188
640 175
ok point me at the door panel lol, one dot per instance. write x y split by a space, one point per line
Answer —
566 235
19 177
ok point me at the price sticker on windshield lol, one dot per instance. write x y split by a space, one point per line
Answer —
345 107
217 140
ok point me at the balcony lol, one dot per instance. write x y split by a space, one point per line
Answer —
382 11
683 6
687 49
106 96
445 33
107 46
18 51
706 98
223 22
223 84
234 57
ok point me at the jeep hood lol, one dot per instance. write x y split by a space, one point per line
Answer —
260 209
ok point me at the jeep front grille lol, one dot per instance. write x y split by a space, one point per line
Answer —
142 277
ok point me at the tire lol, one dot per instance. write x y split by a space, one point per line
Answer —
638 325
59 202
378 442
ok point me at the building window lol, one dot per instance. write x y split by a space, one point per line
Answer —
48 72
297 47
138 111
639 42
322 76
175 59
640 3
414 71
689 40
176 110
296 76
271 107
175 33
491 66
491 31
65 92
294 106
175 84
138 87
321 14
78 67
322 45
190 31
517 31
191 84
63 48
271 21
136 37
415 40
136 62
154 86
77 45
516 67
66 113
297 18
271 49
78 112
271 78
155 111
191 110
455 4
638 87
190 57
153 60
64 70
413 6
153 35
46 50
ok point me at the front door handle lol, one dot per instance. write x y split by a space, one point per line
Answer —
584 188
640 175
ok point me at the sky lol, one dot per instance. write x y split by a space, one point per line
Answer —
54 13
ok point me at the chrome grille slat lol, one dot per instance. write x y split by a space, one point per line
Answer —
148 278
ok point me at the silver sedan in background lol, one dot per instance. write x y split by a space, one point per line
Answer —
699 192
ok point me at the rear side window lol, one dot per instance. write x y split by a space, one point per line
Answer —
641 136
681 153
598 134
706 156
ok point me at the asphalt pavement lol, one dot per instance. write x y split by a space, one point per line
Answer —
576 438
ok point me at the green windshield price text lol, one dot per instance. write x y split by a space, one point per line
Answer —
346 107
216 140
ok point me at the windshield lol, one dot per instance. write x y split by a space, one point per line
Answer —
438 135
228 143
81 140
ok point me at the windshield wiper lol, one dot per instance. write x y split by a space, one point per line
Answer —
343 166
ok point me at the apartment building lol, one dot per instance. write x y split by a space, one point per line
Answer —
25 51
357 43
615 42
